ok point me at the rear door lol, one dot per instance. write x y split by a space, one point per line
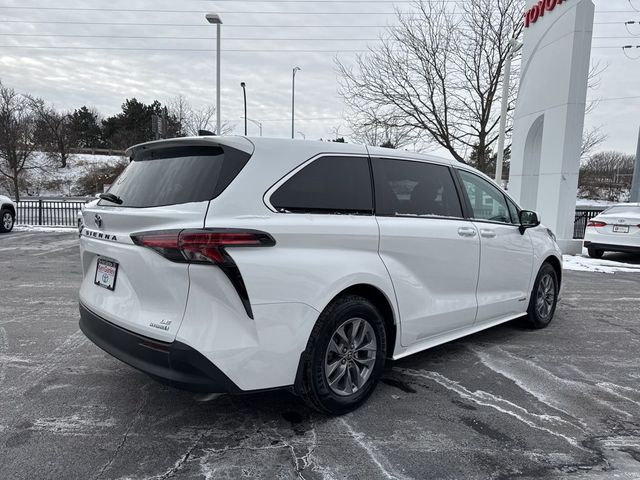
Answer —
163 188
506 254
431 252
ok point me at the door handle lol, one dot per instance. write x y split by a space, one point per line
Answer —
467 232
487 233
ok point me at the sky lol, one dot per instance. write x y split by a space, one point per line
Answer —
262 41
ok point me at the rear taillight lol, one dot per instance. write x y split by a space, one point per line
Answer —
200 246
596 224
206 246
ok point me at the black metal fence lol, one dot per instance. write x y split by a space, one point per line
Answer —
50 212
583 215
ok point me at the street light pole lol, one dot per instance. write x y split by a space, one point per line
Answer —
215 19
244 91
255 122
514 46
293 102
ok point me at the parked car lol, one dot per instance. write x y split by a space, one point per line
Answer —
232 264
617 229
8 209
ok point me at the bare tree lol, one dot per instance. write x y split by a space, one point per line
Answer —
53 130
606 175
367 128
17 137
591 140
438 73
192 120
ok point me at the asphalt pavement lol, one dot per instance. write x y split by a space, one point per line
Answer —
507 403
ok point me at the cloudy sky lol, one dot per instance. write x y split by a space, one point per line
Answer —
161 48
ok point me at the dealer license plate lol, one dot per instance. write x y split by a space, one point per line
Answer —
106 273
621 229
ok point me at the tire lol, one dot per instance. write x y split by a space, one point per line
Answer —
544 298
357 319
593 253
7 220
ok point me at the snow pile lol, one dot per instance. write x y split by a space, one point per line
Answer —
586 264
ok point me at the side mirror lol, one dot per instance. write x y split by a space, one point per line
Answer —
528 219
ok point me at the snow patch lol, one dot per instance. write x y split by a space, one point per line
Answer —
37 228
579 263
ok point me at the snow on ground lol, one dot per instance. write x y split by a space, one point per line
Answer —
36 228
585 202
581 263
51 181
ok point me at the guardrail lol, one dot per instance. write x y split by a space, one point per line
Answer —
583 215
50 212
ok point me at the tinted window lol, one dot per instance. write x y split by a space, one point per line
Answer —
172 176
328 185
406 187
487 202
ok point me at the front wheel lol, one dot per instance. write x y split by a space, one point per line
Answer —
344 357
544 297
7 220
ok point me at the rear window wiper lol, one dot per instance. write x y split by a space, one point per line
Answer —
110 197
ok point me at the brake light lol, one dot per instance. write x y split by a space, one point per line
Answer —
596 224
207 246
201 246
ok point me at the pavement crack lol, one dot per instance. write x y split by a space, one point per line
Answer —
136 416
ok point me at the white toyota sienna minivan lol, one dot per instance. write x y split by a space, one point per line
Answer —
233 264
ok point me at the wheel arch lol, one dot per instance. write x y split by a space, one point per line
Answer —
384 306
9 207
557 266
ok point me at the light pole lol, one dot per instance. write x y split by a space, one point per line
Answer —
255 122
244 91
293 102
214 19
514 46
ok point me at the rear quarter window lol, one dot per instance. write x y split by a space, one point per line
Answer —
176 175
331 184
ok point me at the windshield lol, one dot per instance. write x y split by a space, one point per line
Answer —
176 175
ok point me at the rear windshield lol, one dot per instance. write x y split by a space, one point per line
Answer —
177 175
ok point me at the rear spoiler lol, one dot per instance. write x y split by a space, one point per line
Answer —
239 143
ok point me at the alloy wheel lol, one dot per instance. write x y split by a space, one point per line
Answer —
350 357
545 296
7 221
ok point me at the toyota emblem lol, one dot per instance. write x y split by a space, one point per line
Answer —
98 220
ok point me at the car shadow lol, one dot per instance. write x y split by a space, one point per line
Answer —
630 258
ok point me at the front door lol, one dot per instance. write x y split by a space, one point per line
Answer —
506 254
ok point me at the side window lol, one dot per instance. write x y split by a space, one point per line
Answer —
487 202
405 187
328 185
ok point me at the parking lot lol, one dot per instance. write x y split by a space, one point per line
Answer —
506 403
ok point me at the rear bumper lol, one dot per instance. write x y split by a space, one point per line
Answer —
611 248
175 363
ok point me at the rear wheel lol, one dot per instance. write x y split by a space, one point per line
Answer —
345 356
593 253
544 297
7 220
